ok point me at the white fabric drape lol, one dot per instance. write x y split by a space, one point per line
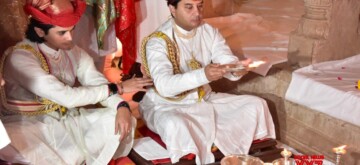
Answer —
329 87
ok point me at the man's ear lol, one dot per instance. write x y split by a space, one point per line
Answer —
39 32
172 10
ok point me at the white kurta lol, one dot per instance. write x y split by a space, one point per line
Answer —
231 122
82 135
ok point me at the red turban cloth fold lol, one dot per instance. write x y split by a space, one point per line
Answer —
63 13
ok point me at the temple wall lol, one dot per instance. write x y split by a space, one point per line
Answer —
215 8
329 30
12 23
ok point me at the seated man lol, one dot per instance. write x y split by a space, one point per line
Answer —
43 109
182 58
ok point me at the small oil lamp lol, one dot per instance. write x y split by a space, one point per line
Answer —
339 151
256 64
286 154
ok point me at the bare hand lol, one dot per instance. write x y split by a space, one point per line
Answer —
214 72
245 62
239 68
136 84
123 124
40 4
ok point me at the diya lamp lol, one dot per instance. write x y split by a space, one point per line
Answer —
286 154
339 151
240 67
255 64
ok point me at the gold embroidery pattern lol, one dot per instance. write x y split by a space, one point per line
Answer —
47 106
178 33
172 55
193 63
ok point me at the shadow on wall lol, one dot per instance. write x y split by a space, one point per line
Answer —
215 8
6 40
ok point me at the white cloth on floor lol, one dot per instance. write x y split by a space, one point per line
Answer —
329 87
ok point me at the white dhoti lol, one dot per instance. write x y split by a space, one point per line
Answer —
231 122
84 136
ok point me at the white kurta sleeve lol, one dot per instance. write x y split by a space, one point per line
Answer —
88 75
221 52
32 77
166 82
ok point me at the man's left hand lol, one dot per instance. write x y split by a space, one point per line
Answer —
123 124
136 84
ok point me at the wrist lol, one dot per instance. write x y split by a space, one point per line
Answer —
120 88
123 104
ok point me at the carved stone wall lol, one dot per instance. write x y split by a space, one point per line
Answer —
329 30
215 8
12 23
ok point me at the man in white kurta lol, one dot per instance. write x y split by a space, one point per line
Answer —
188 122
48 83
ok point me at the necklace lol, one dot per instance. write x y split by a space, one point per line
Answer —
182 35
192 63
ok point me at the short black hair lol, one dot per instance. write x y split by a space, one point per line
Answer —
31 33
173 2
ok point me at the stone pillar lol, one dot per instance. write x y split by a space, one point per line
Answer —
313 29
329 30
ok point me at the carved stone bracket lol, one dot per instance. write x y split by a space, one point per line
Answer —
313 27
317 29
314 23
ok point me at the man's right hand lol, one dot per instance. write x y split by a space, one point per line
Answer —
214 72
